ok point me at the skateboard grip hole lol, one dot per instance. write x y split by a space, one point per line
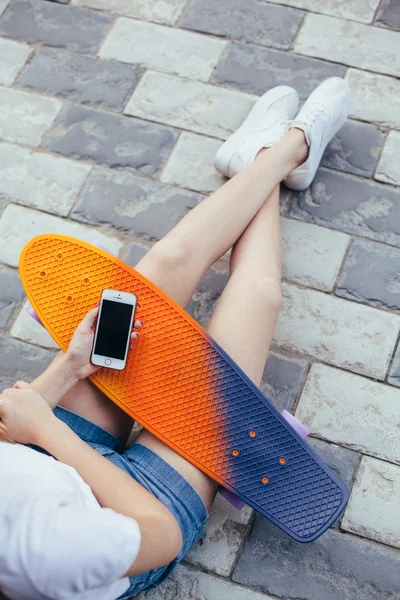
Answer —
86 281
59 256
282 460
265 480
252 433
42 274
69 298
235 452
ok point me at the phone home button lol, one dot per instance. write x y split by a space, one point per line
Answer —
107 362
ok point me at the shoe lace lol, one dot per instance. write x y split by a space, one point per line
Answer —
312 114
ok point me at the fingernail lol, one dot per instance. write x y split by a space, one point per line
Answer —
136 335
140 323
97 304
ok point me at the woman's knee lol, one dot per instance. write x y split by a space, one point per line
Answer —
169 254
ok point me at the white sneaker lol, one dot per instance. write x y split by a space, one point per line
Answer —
266 124
321 117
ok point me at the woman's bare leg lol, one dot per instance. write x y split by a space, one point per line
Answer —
254 288
177 263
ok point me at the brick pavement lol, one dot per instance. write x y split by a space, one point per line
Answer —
111 112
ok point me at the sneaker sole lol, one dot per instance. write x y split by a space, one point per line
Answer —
234 142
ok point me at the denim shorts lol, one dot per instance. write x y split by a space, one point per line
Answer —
159 478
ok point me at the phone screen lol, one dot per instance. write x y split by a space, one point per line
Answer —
113 330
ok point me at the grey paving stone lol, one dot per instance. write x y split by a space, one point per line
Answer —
374 98
334 567
354 149
21 361
18 225
136 251
110 139
388 14
246 20
350 43
394 375
27 329
371 275
256 69
207 294
172 50
13 56
282 379
352 205
320 325
374 506
312 255
24 117
141 207
191 164
77 29
11 296
389 165
80 78
3 5
352 411
160 11
185 584
38 179
357 10
341 460
225 531
189 104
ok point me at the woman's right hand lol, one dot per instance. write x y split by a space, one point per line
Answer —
80 348
24 415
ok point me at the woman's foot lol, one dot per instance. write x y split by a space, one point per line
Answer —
320 118
266 124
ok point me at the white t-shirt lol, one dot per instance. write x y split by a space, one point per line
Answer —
56 541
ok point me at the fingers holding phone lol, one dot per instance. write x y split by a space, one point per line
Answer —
113 333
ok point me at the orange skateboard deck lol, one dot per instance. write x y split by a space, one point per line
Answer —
180 385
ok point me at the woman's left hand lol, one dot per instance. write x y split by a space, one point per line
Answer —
80 348
24 414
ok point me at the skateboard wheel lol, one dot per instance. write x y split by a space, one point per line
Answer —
32 312
295 423
232 499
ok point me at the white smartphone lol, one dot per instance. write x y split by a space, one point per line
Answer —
113 329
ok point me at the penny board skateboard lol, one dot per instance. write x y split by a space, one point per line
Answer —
180 385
